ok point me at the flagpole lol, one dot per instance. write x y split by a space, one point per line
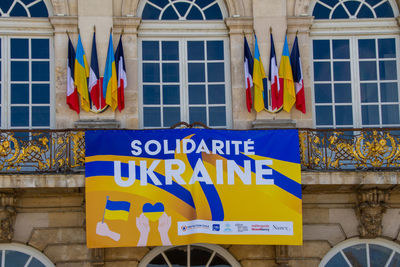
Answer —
104 212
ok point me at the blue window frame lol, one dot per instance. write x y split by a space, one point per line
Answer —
23 8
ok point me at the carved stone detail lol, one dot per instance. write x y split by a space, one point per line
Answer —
98 257
370 209
7 216
282 256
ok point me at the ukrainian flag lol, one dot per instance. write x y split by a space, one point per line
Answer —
117 210
110 85
285 73
81 74
258 76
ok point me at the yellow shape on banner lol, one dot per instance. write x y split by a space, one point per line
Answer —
153 216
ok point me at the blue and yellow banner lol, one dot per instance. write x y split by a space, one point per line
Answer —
183 186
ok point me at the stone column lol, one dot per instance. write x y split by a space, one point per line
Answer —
65 117
129 117
238 28
7 216
301 26
282 256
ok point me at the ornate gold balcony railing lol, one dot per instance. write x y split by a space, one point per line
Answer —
63 151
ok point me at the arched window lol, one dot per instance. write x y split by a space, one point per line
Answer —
26 61
189 255
363 253
355 64
18 255
184 67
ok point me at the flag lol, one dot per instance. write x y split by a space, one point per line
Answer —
94 81
273 75
295 62
248 71
258 76
117 210
286 79
81 75
121 74
72 94
110 86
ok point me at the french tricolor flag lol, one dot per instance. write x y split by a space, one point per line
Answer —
72 93
295 62
276 91
121 73
248 70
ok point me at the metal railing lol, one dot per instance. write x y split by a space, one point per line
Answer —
63 151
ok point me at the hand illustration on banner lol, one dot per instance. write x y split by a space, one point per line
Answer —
142 223
102 229
164 223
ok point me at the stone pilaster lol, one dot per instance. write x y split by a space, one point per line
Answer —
371 205
128 26
238 28
7 216
282 256
97 257
61 24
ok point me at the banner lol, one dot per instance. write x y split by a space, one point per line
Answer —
183 186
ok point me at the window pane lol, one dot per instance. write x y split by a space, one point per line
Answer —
150 12
343 93
387 70
39 10
357 255
366 48
344 115
18 11
35 263
203 3
151 72
370 115
5 5
19 48
19 93
219 261
365 13
322 71
151 94
384 11
215 50
150 50
40 48
199 256
172 115
217 116
171 94
324 115
341 71
387 48
369 92
336 261
194 14
170 72
40 116
216 72
197 94
15 258
389 92
197 114
321 49
19 116
323 93
151 117
368 71
213 12
378 255
40 93
341 49
170 14
339 13
40 71
321 12
352 6
170 50
196 72
395 260
216 94
195 50
19 71
390 114
182 7
160 3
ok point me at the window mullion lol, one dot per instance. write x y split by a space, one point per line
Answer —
183 84
355 82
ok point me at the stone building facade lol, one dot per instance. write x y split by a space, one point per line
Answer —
346 212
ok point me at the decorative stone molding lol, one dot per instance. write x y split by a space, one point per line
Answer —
7 216
62 24
239 25
274 124
301 24
282 256
101 124
128 24
371 205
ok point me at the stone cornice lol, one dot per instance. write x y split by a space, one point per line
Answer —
64 23
129 24
301 24
239 25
